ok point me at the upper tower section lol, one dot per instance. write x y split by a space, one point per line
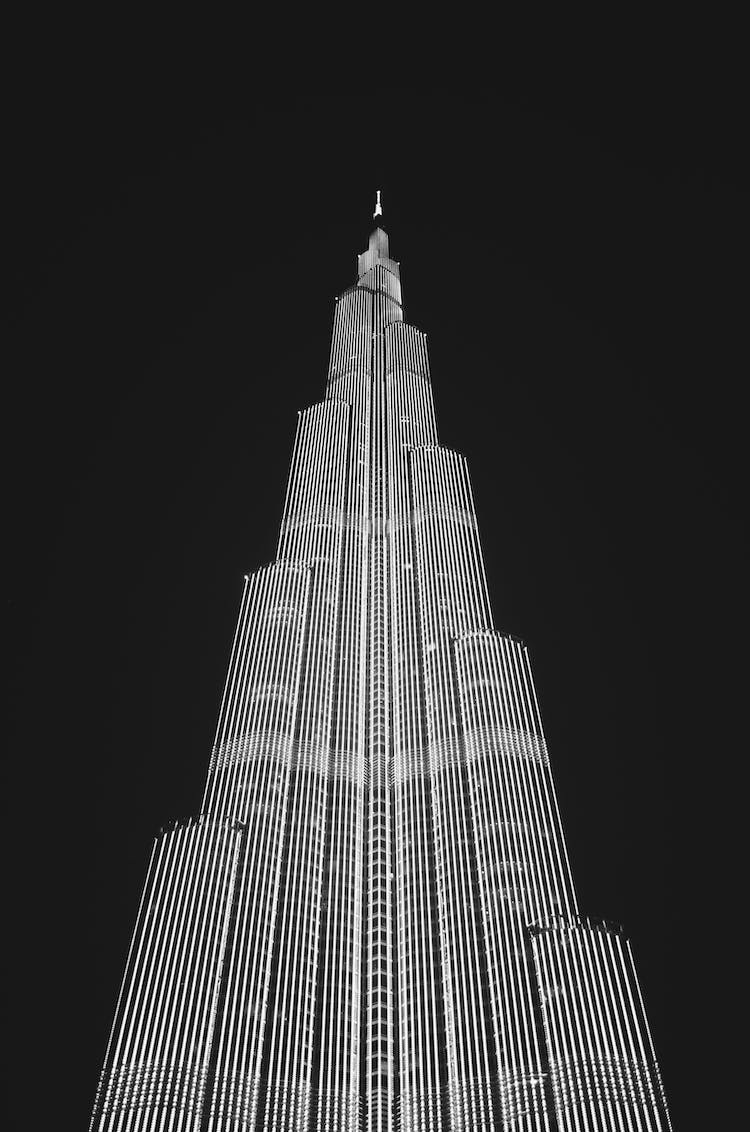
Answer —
376 271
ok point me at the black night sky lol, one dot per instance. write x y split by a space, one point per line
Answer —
573 251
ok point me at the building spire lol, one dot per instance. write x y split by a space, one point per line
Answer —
378 207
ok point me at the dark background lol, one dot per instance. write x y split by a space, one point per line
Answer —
576 250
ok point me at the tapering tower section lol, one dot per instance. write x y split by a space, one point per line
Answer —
371 926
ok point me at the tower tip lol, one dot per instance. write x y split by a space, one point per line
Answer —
378 207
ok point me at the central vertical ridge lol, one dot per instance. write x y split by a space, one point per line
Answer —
379 1076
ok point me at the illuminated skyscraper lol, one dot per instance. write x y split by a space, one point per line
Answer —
372 923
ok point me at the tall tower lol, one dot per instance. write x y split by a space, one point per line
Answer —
371 924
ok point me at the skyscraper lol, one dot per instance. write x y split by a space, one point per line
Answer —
372 924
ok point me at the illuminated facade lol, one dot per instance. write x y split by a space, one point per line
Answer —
372 925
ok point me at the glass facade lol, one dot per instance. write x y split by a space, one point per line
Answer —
372 923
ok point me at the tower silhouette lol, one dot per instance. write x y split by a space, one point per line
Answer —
372 924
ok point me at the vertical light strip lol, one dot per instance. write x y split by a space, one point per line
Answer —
312 532
411 422
338 1038
258 754
452 599
163 1027
604 1073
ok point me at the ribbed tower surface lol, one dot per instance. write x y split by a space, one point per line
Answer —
371 924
